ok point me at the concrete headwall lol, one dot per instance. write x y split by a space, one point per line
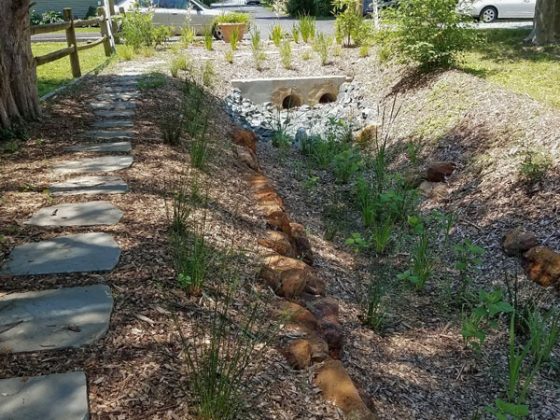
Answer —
295 90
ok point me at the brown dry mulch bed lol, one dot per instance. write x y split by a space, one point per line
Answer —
135 370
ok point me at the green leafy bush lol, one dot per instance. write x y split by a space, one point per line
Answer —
44 18
429 33
321 46
345 164
286 54
161 34
276 35
138 29
307 27
535 166
349 21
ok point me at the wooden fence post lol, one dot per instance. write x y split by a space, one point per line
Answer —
72 42
105 30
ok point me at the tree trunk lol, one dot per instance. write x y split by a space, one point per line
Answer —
547 23
19 98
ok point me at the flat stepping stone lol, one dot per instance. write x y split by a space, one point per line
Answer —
113 123
90 185
109 135
117 146
77 214
114 114
98 164
108 105
54 319
117 96
61 396
84 252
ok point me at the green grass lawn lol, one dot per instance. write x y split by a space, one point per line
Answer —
506 60
52 75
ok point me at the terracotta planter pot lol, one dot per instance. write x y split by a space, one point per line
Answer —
227 29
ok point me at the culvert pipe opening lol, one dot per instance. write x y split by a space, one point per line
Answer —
327 98
291 101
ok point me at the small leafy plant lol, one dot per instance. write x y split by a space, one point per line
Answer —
357 242
422 263
535 166
321 47
286 54
346 164
257 49
276 35
307 27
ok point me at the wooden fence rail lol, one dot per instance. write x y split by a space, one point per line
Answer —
107 27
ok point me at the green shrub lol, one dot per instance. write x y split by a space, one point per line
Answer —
321 46
257 49
346 164
233 17
138 29
161 34
187 36
429 33
295 34
281 140
126 52
276 35
45 18
476 325
208 38
223 351
286 54
422 259
349 21
179 63
234 39
535 165
301 7
307 27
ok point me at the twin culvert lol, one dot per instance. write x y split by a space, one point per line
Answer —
286 93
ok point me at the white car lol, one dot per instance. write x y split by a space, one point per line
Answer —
490 10
180 13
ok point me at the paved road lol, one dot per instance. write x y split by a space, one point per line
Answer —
265 19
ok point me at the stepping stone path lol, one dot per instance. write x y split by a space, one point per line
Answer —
117 146
61 396
77 214
57 318
73 316
94 165
106 184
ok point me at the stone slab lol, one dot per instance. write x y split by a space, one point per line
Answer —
84 252
117 146
90 185
117 96
127 113
54 319
60 396
113 123
308 90
92 165
108 105
77 214
109 135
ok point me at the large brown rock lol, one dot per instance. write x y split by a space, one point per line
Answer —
435 190
247 157
543 265
286 276
338 388
323 308
298 353
302 244
245 138
297 315
333 334
268 196
517 241
278 242
315 285
279 220
440 171
258 181
366 135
